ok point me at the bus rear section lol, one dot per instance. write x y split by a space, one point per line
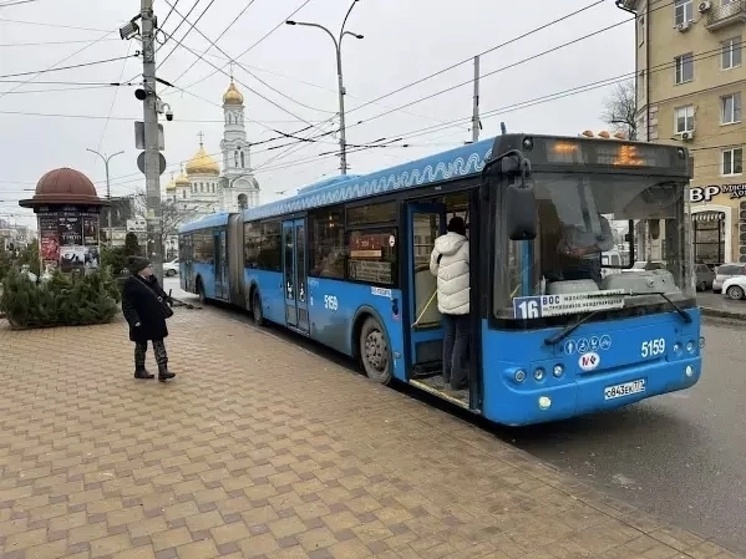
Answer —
569 332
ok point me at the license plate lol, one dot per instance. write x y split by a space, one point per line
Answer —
624 389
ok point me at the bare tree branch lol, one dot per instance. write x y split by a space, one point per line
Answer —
620 108
174 213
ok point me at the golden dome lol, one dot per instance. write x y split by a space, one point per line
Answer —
181 180
202 164
232 95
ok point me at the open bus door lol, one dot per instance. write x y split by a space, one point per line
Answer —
424 223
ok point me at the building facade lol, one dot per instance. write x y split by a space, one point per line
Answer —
689 88
202 187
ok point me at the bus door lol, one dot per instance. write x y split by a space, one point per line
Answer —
186 259
425 222
220 263
295 284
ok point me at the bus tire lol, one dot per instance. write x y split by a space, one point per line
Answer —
256 308
375 354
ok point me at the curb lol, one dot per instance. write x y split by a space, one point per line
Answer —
711 312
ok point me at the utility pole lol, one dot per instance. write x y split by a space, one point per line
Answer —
106 159
475 123
152 151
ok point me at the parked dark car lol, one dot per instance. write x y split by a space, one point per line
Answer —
705 276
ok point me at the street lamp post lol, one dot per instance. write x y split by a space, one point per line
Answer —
108 186
337 40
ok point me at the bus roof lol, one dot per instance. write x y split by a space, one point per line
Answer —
209 220
452 164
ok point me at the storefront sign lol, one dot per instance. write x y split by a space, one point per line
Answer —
707 193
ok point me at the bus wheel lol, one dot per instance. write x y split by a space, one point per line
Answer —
256 309
374 351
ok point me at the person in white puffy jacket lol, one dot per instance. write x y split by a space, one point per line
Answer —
449 262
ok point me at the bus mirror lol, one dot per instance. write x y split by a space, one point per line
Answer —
520 211
510 165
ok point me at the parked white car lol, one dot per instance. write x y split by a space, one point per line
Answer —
170 269
735 288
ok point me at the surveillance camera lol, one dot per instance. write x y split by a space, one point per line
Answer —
169 115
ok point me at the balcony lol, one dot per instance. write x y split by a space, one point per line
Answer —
732 13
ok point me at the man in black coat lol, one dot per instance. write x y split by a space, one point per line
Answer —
146 307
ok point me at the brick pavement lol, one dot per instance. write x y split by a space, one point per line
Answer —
261 449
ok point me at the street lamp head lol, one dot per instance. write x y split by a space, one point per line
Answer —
358 36
291 22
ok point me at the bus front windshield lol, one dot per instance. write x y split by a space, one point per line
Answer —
598 233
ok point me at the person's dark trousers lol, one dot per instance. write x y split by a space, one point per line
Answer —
455 350
161 358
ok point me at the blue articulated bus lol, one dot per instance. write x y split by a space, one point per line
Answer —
345 262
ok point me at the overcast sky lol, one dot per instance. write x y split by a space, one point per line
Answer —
405 40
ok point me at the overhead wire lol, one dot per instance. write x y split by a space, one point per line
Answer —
184 36
113 100
214 44
53 67
220 36
251 47
63 68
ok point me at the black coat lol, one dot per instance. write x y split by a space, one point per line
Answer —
141 304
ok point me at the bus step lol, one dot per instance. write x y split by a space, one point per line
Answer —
426 370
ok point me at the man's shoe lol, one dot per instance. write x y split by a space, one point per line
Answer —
143 374
163 376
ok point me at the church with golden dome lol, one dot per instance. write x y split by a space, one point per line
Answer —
202 185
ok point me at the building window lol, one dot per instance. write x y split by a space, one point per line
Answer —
731 53
730 108
328 250
641 29
683 11
684 119
243 161
684 68
732 161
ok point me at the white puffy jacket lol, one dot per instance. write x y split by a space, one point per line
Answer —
452 273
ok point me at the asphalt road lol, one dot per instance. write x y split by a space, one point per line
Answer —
680 456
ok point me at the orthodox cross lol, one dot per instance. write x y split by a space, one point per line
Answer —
201 136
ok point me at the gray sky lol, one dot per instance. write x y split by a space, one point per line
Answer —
404 41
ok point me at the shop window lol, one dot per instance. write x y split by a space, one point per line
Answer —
328 251
372 256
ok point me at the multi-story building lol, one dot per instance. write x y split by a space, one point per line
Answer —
689 87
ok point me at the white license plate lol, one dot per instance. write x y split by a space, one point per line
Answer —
624 389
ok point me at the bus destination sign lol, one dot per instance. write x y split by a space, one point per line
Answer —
542 306
610 153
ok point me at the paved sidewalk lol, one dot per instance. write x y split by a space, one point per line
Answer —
261 449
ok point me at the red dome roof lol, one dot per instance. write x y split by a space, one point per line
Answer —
64 186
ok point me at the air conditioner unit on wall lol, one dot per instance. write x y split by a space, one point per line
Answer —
683 27
704 6
687 136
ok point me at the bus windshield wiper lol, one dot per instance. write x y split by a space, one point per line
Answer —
570 328
686 317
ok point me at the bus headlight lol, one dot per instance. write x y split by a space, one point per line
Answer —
539 374
558 370
689 371
545 402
